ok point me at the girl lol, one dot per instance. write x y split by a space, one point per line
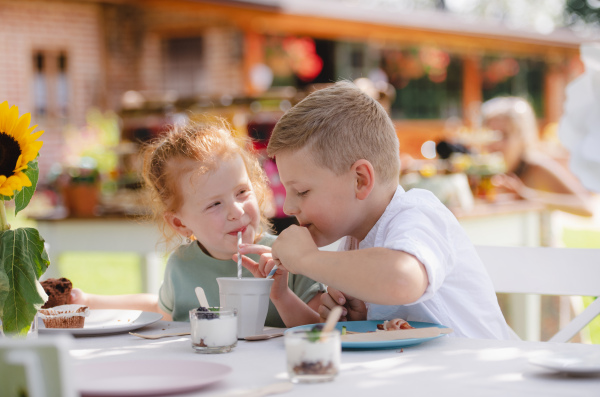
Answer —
205 189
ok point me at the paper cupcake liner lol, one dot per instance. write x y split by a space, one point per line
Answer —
64 311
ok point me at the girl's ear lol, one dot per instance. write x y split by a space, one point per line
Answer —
175 222
364 175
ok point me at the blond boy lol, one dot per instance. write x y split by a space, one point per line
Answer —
403 253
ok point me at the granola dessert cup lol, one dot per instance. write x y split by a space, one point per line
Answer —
213 330
313 356
64 316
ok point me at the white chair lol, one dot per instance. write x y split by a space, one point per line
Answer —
547 271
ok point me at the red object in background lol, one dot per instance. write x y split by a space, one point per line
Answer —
260 133
305 62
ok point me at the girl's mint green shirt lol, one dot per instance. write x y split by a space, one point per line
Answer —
189 267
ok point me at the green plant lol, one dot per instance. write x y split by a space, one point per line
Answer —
23 258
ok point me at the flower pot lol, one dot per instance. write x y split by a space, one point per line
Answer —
81 200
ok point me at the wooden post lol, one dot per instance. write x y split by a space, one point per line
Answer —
472 92
253 54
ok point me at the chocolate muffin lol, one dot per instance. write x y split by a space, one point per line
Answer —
58 290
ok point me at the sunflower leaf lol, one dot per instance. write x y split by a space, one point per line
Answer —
23 260
23 197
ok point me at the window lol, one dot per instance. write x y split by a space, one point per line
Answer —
184 66
428 82
40 85
50 84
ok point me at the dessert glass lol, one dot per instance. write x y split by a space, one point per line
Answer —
312 356
213 331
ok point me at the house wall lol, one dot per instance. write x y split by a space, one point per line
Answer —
28 26
111 48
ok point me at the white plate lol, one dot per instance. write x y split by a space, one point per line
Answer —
107 322
569 363
146 377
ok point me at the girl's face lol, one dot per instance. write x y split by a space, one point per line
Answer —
216 205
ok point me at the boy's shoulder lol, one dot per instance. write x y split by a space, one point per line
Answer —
415 197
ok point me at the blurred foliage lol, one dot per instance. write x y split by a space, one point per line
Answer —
582 10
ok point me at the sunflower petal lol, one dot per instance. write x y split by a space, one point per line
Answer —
2 179
11 120
30 130
14 182
31 151
6 191
20 129
3 111
35 136
24 179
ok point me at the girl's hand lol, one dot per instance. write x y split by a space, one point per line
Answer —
257 269
353 309
78 297
263 268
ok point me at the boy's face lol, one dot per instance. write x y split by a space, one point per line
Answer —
218 204
321 200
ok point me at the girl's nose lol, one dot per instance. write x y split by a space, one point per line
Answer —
236 210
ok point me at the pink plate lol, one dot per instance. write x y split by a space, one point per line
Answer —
147 377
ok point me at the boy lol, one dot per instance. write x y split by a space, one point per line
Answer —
403 252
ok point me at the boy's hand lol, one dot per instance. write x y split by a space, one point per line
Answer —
353 309
293 243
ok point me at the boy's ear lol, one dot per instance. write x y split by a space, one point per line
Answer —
175 222
365 178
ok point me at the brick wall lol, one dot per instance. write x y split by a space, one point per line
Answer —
28 26
111 48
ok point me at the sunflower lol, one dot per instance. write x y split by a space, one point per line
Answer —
18 147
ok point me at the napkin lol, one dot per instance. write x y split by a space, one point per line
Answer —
579 127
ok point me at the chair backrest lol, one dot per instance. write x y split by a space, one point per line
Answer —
547 271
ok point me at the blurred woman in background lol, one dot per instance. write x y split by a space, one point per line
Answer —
530 173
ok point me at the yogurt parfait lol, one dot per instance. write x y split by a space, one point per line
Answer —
213 329
313 355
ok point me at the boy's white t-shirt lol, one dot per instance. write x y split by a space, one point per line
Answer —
460 293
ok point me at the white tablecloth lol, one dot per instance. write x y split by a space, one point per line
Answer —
442 367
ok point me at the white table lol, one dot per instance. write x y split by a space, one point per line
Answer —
105 234
441 367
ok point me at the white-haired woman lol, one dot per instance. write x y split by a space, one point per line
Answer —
531 173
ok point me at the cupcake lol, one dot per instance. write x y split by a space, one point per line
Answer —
58 291
65 316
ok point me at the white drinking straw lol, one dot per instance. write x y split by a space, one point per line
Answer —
272 272
239 256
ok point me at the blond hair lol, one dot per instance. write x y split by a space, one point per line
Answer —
206 144
340 124
519 116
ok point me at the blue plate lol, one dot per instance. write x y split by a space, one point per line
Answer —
367 326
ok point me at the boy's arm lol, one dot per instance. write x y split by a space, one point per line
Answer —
377 275
143 302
